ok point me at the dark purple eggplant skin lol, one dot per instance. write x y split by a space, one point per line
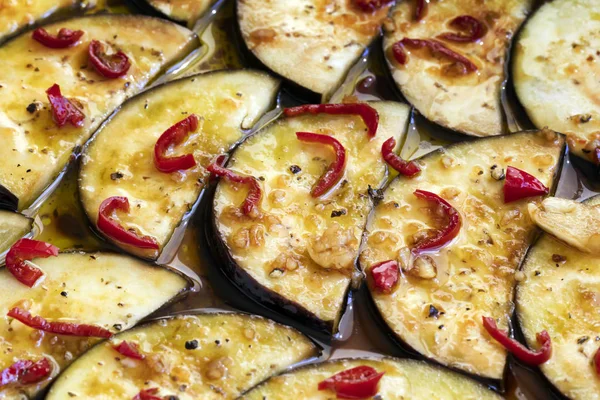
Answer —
8 201
253 289
497 385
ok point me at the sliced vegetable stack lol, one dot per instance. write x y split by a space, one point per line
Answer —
60 82
444 246
137 194
80 299
310 42
556 68
448 59
560 291
14 15
12 227
292 202
207 356
369 378
185 11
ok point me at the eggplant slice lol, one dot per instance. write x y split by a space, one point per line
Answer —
556 67
403 379
183 11
207 356
13 226
104 289
310 42
226 103
35 150
437 306
468 103
16 15
560 293
298 255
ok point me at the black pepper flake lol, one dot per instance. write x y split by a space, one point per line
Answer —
557 258
582 339
116 175
218 342
118 327
375 194
191 344
441 327
294 169
433 312
338 213
261 178
32 108
537 273
171 398
64 294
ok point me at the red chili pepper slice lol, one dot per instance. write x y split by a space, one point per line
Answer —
60 328
129 349
250 204
445 235
336 169
147 394
519 185
371 5
368 114
385 275
473 28
27 249
36 372
354 383
597 362
174 136
65 38
110 66
435 47
421 9
25 372
406 168
517 349
63 110
114 230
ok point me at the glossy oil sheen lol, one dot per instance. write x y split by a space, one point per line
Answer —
360 333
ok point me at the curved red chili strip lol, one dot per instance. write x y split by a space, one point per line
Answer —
36 372
519 185
354 383
25 372
147 394
597 362
406 168
371 5
473 28
368 114
445 235
435 47
65 38
250 204
421 9
27 249
110 66
336 169
174 136
517 349
112 229
63 110
129 349
59 328
385 275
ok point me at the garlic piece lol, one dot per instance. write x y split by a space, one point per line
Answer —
574 223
